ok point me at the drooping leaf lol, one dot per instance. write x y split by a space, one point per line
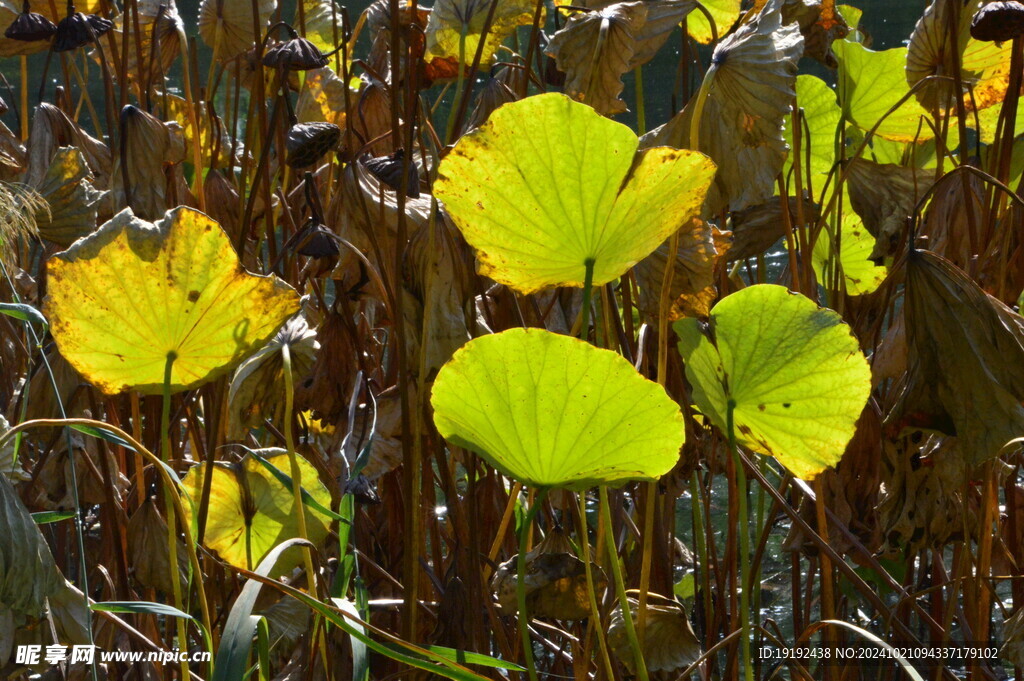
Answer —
323 23
821 24
132 293
553 411
455 27
758 228
859 274
871 83
251 511
594 49
966 360
73 201
158 41
546 185
984 66
749 91
152 151
724 12
794 372
884 195
692 289
28 573
226 26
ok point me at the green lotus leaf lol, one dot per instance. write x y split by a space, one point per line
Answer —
821 116
128 296
251 511
871 83
794 372
547 184
724 12
860 274
554 411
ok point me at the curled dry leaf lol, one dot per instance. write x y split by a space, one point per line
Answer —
555 581
73 201
966 360
322 98
158 41
9 465
1013 639
746 95
323 23
147 549
495 92
385 448
455 26
821 23
226 26
984 66
257 390
326 389
28 573
54 483
147 177
758 228
51 130
701 245
669 642
884 195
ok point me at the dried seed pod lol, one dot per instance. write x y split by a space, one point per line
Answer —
317 241
998 21
388 170
77 29
30 27
669 644
362 489
308 142
555 581
296 54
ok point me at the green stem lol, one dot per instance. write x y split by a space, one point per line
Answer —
595 613
744 530
459 84
620 586
702 571
293 460
172 521
588 285
524 617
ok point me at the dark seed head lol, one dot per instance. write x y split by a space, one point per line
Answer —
388 170
318 242
77 30
297 54
30 27
308 142
998 21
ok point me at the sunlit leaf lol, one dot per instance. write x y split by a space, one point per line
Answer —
251 511
159 25
455 26
724 12
553 411
73 201
871 83
547 185
323 23
794 372
821 23
131 294
750 90
884 195
669 644
152 149
856 245
821 115
984 65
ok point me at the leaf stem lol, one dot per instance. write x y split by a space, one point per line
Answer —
524 617
744 531
588 286
620 586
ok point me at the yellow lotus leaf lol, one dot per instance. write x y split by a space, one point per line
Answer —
547 186
158 19
227 25
73 201
454 27
323 20
859 274
132 294
322 98
724 12
251 510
